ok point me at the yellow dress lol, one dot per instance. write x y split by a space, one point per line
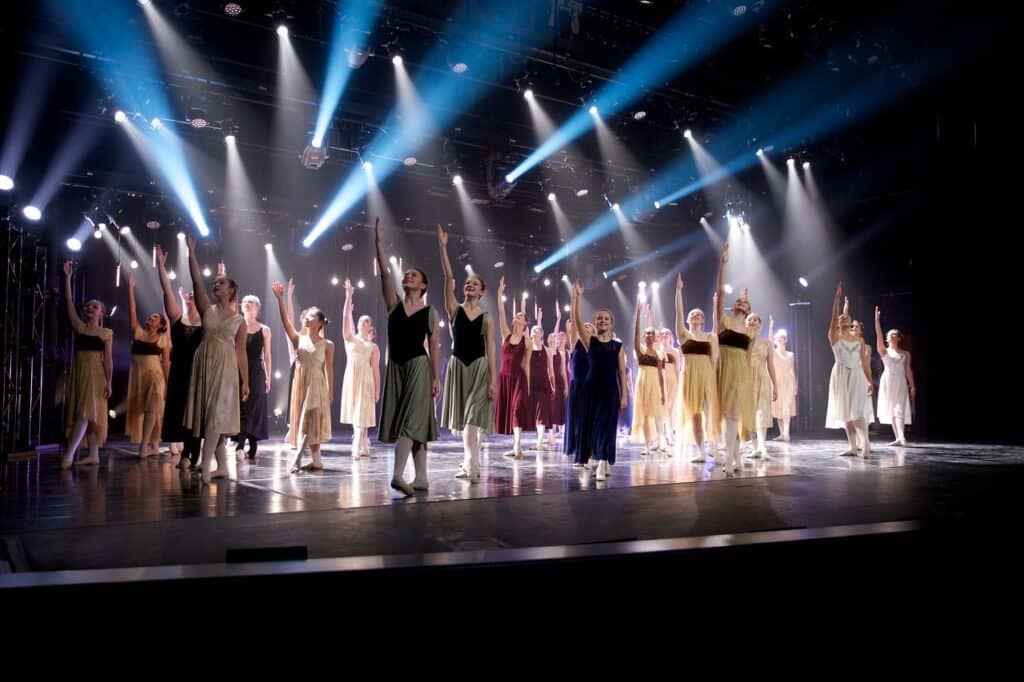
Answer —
698 389
762 381
310 394
84 397
735 388
147 386
646 396
357 405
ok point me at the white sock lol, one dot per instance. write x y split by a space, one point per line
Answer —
403 446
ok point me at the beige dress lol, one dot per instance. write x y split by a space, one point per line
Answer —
87 383
785 385
214 391
357 405
310 399
147 386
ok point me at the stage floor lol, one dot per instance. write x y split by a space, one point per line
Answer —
128 512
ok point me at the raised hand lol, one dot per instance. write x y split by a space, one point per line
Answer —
161 256
377 230
501 286
69 268
291 286
131 280
442 236
878 314
222 269
679 282
348 287
578 288
278 289
190 242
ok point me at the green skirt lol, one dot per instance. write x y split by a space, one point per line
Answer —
465 396
408 409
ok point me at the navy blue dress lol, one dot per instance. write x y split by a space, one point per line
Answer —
602 395
575 406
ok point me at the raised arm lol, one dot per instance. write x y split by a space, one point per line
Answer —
502 321
558 322
577 319
832 333
492 362
720 300
771 331
198 288
289 328
69 299
771 373
526 362
348 327
289 302
636 331
133 315
171 306
879 338
538 314
387 283
243 360
682 333
450 304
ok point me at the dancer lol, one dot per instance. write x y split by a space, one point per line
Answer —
253 415
511 410
762 373
784 406
849 386
735 389
698 415
147 378
574 404
360 386
896 388
649 401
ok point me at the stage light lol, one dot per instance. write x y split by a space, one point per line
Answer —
499 264
232 9
181 236
397 60
565 278
547 282
504 298
134 265
803 282
367 166
655 286
760 152
360 284
97 234
615 206
440 323
460 67
790 162
528 93
551 196
605 275
120 117
526 295
642 285
156 123
126 230
32 213
229 138
313 157
278 411
566 307
409 161
615 283
456 179
593 110
282 31
657 204
268 246
687 134
639 115
582 192
102 226
206 272
334 281
112 414
172 275
727 288
74 244
807 165
6 183
277 374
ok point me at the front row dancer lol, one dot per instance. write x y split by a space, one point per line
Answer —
604 387
412 381
698 409
849 386
469 382
735 385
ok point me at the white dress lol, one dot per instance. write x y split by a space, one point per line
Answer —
357 405
848 398
893 389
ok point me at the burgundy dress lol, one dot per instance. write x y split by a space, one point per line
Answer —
558 397
540 390
512 404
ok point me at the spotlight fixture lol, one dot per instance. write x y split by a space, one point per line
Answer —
397 60
268 246
807 165
229 138
172 275
639 115
615 206
655 286
74 244
593 110
198 123
207 272
6 183
153 224
551 196
346 247
360 284
282 31
32 213
313 157
727 288
334 281
582 192
181 236
790 161
456 179
528 93
134 264
232 9
460 67
499 264
126 230
156 123
657 204
803 282
120 116
688 134
367 166
277 374
760 152
409 161
547 282
97 234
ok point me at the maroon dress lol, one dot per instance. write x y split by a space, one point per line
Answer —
540 390
512 404
558 397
